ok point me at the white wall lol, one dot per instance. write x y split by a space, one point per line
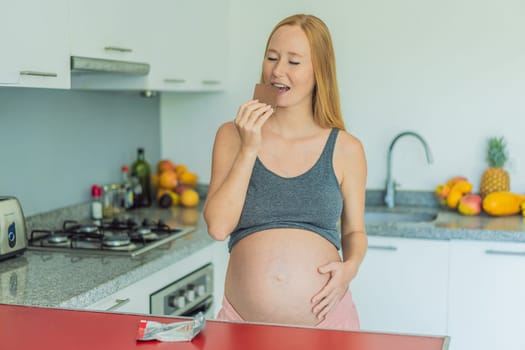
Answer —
55 144
454 71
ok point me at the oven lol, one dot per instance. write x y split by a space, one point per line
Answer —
187 296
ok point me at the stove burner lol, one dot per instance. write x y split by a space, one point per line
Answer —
143 230
57 238
88 229
116 241
144 237
131 222
162 224
119 224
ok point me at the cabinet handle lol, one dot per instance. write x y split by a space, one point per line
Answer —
382 247
503 252
118 304
174 80
38 74
116 48
211 82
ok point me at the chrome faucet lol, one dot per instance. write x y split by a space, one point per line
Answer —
390 183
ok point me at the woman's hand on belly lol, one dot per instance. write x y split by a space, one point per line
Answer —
272 275
340 274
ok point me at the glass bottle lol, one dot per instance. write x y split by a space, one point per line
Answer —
141 170
96 202
126 189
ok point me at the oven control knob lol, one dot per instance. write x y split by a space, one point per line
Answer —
190 295
177 301
201 290
190 292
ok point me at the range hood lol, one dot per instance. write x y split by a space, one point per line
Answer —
99 65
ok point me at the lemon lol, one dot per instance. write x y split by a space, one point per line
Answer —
189 198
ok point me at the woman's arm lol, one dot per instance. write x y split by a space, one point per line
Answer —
353 235
351 161
234 152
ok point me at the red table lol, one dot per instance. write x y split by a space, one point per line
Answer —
24 327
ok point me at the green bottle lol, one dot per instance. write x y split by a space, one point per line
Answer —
141 170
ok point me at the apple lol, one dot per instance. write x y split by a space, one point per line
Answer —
441 192
181 188
470 204
455 180
165 165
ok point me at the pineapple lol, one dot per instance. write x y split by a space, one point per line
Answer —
495 178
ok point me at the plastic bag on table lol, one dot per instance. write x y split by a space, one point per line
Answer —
171 332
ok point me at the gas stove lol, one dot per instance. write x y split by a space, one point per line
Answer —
119 236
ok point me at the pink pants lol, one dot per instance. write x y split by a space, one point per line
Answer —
343 316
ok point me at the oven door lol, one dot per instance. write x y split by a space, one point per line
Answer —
187 296
205 306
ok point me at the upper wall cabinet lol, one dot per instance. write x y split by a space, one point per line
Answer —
190 45
113 30
34 41
184 41
117 29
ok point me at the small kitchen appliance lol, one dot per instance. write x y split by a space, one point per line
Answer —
13 238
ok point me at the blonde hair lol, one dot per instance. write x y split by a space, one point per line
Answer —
326 105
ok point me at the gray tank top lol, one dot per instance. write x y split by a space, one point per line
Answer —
311 201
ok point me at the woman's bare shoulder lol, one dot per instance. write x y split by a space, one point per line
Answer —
350 161
227 132
348 144
227 129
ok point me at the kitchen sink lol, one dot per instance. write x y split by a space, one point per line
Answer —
379 217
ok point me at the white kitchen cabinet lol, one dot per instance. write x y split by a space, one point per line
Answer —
402 286
117 29
135 298
190 45
487 296
34 41
220 263
184 41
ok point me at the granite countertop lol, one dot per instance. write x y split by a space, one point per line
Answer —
443 224
70 280
76 280
446 224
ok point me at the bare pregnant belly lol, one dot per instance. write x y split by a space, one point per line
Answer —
272 275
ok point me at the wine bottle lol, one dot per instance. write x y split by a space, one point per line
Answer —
141 170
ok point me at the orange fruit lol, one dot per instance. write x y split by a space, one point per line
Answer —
168 180
189 198
165 165
188 178
181 168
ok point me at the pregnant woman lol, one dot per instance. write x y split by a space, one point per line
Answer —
288 189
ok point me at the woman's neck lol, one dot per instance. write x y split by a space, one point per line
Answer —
292 122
